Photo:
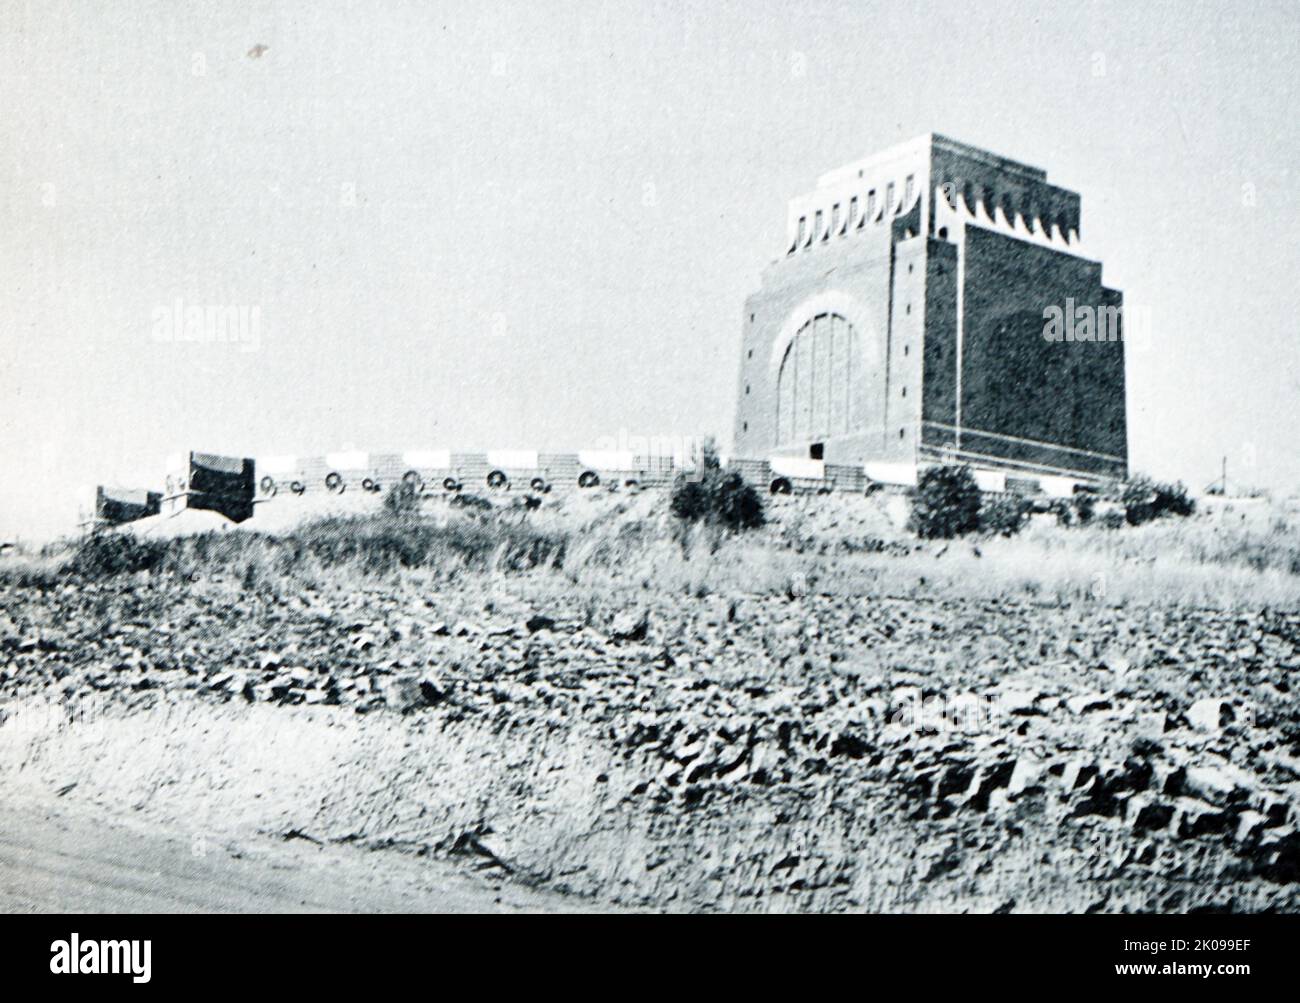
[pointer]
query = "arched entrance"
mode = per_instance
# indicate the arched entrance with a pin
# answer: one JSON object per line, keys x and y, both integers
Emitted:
{"x": 821, "y": 384}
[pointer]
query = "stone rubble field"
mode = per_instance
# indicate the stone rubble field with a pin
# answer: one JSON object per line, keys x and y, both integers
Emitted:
{"x": 797, "y": 751}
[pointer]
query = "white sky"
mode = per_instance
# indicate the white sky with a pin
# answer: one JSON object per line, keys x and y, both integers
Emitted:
{"x": 560, "y": 209}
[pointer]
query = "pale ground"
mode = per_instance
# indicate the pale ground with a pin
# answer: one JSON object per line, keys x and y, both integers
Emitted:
{"x": 72, "y": 856}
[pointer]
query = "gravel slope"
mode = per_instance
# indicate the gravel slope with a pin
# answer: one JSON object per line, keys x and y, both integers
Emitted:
{"x": 670, "y": 752}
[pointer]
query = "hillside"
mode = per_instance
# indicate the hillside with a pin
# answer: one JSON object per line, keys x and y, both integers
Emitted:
{"x": 822, "y": 714}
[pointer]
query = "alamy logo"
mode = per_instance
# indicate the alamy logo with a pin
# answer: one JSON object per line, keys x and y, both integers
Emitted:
{"x": 209, "y": 323}
{"x": 102, "y": 957}
{"x": 1083, "y": 322}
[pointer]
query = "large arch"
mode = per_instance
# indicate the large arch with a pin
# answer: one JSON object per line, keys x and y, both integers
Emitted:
{"x": 821, "y": 361}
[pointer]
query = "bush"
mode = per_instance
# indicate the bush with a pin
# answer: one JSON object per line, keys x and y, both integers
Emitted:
{"x": 103, "y": 555}
{"x": 371, "y": 544}
{"x": 945, "y": 503}
{"x": 1062, "y": 510}
{"x": 715, "y": 496}
{"x": 1112, "y": 519}
{"x": 25, "y": 575}
{"x": 382, "y": 546}
{"x": 690, "y": 500}
{"x": 1144, "y": 500}
{"x": 1173, "y": 499}
{"x": 1005, "y": 516}
{"x": 402, "y": 499}
{"x": 475, "y": 503}
{"x": 736, "y": 503}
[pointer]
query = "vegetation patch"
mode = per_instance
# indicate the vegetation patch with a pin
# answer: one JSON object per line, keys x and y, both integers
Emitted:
{"x": 1004, "y": 516}
{"x": 1145, "y": 500}
{"x": 945, "y": 503}
{"x": 715, "y": 496}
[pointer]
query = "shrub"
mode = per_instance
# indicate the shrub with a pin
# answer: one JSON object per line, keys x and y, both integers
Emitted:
{"x": 1144, "y": 500}
{"x": 736, "y": 503}
{"x": 103, "y": 555}
{"x": 1112, "y": 519}
{"x": 1005, "y": 516}
{"x": 715, "y": 496}
{"x": 1084, "y": 507}
{"x": 475, "y": 503}
{"x": 945, "y": 503}
{"x": 1173, "y": 499}
{"x": 690, "y": 501}
{"x": 1137, "y": 495}
{"x": 29, "y": 575}
{"x": 402, "y": 499}
{"x": 372, "y": 544}
{"x": 381, "y": 546}
{"x": 1062, "y": 510}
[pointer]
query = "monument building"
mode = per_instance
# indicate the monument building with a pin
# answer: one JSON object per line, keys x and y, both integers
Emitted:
{"x": 932, "y": 304}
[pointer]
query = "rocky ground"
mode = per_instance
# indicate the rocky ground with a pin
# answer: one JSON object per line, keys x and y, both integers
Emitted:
{"x": 757, "y": 752}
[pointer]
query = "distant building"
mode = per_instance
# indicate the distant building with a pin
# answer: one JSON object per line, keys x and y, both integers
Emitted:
{"x": 910, "y": 320}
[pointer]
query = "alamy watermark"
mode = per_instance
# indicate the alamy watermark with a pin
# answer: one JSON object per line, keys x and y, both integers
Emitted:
{"x": 209, "y": 323}
{"x": 676, "y": 452}
{"x": 1087, "y": 322}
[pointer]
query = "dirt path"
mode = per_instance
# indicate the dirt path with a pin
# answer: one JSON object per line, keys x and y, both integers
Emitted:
{"x": 58, "y": 856}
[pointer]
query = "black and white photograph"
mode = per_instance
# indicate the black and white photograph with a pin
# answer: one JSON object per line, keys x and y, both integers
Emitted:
{"x": 468, "y": 458}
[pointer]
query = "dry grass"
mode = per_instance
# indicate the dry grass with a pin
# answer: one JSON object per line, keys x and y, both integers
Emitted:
{"x": 1209, "y": 561}
{"x": 841, "y": 546}
{"x": 28, "y": 570}
{"x": 367, "y": 546}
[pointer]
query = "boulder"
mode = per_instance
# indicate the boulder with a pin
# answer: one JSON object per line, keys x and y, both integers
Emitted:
{"x": 1198, "y": 818}
{"x": 1217, "y": 785}
{"x": 1250, "y": 826}
{"x": 1019, "y": 701}
{"x": 1078, "y": 774}
{"x": 1210, "y": 714}
{"x": 1027, "y": 775}
{"x": 631, "y": 625}
{"x": 1084, "y": 703}
{"x": 1144, "y": 812}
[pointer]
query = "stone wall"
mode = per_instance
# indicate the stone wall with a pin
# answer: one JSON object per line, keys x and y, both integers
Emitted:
{"x": 1017, "y": 383}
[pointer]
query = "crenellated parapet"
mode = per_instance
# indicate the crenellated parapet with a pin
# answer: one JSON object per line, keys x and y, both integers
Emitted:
{"x": 859, "y": 197}
{"x": 971, "y": 185}
{"x": 934, "y": 185}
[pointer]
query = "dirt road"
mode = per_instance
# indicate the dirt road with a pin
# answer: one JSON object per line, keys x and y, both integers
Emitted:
{"x": 58, "y": 856}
